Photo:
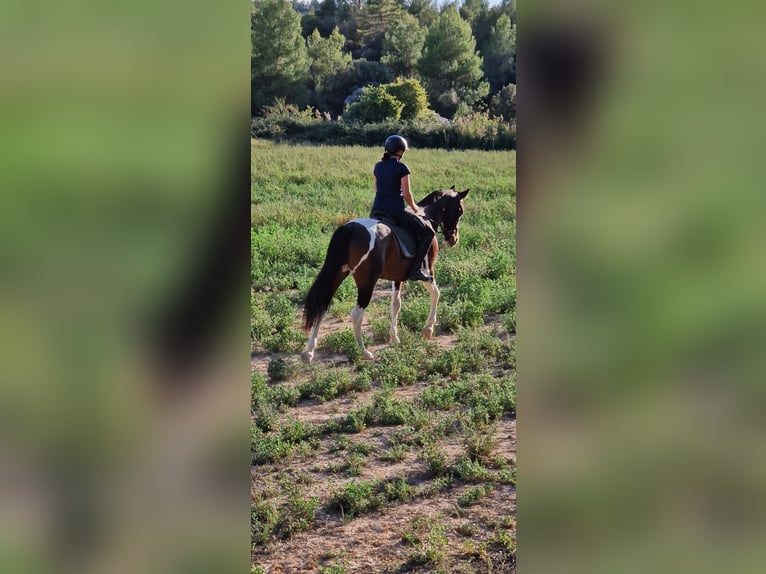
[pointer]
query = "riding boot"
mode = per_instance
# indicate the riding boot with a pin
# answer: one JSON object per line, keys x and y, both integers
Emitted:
{"x": 417, "y": 273}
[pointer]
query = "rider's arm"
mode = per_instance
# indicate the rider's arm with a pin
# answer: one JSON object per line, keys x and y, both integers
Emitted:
{"x": 408, "y": 195}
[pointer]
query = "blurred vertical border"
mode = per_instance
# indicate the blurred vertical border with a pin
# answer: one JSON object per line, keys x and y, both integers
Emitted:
{"x": 642, "y": 287}
{"x": 124, "y": 165}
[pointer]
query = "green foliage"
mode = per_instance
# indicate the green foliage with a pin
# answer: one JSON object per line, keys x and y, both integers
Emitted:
{"x": 432, "y": 548}
{"x": 326, "y": 57}
{"x": 263, "y": 521}
{"x": 281, "y": 369}
{"x": 278, "y": 62}
{"x": 412, "y": 95}
{"x": 403, "y": 45}
{"x": 397, "y": 490}
{"x": 435, "y": 459}
{"x": 473, "y": 495}
{"x": 374, "y": 105}
{"x": 358, "y": 74}
{"x": 499, "y": 53}
{"x": 374, "y": 18}
{"x": 469, "y": 470}
{"x": 503, "y": 103}
{"x": 450, "y": 65}
{"x": 357, "y": 497}
{"x": 297, "y": 515}
{"x": 480, "y": 132}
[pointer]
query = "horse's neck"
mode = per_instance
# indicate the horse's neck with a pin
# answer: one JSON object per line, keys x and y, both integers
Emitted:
{"x": 433, "y": 212}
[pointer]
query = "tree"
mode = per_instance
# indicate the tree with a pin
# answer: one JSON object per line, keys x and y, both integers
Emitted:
{"x": 499, "y": 52}
{"x": 472, "y": 8}
{"x": 503, "y": 103}
{"x": 278, "y": 62}
{"x": 403, "y": 44}
{"x": 425, "y": 11}
{"x": 375, "y": 105}
{"x": 412, "y": 95}
{"x": 374, "y": 18}
{"x": 326, "y": 57}
{"x": 450, "y": 65}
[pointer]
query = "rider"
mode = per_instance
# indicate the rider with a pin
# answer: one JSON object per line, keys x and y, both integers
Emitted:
{"x": 392, "y": 190}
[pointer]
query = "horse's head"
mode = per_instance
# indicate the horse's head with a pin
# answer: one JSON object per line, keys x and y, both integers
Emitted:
{"x": 444, "y": 208}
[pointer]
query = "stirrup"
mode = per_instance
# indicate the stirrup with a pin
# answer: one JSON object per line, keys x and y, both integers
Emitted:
{"x": 418, "y": 275}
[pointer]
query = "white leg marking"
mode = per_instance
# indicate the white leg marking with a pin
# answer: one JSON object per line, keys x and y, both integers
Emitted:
{"x": 433, "y": 290}
{"x": 308, "y": 354}
{"x": 396, "y": 303}
{"x": 357, "y": 316}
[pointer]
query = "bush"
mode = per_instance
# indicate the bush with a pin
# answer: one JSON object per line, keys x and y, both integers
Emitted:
{"x": 468, "y": 132}
{"x": 503, "y": 103}
{"x": 374, "y": 105}
{"x": 412, "y": 94}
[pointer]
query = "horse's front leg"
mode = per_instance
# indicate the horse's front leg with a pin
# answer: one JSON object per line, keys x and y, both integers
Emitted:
{"x": 396, "y": 303}
{"x": 433, "y": 290}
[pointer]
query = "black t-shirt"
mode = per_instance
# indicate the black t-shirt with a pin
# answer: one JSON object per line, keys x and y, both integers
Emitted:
{"x": 389, "y": 174}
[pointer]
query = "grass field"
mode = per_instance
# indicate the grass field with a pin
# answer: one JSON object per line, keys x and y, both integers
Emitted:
{"x": 405, "y": 463}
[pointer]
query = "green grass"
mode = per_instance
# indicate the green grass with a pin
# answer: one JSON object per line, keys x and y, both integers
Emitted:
{"x": 295, "y": 206}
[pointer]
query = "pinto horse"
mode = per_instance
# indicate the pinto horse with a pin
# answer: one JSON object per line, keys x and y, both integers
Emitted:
{"x": 368, "y": 250}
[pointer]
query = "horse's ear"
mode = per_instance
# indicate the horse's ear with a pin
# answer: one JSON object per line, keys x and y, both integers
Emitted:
{"x": 452, "y": 188}
{"x": 462, "y": 194}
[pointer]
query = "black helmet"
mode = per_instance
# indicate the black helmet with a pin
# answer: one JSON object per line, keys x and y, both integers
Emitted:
{"x": 395, "y": 144}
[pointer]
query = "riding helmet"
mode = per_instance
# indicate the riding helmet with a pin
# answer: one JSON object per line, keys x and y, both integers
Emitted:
{"x": 395, "y": 144}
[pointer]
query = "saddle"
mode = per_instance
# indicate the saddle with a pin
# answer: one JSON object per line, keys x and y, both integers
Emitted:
{"x": 404, "y": 237}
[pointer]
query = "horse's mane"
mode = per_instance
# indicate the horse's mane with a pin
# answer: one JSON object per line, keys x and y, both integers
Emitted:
{"x": 434, "y": 196}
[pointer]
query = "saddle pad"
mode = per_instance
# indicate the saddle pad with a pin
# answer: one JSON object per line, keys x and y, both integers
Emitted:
{"x": 403, "y": 235}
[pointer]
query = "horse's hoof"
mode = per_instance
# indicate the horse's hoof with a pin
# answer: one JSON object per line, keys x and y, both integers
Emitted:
{"x": 427, "y": 332}
{"x": 395, "y": 340}
{"x": 307, "y": 357}
{"x": 367, "y": 356}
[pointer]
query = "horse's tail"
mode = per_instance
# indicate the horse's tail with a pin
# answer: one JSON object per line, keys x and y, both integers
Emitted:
{"x": 329, "y": 279}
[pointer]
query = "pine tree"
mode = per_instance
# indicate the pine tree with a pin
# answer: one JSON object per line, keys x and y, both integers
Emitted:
{"x": 499, "y": 53}
{"x": 403, "y": 45}
{"x": 326, "y": 57}
{"x": 450, "y": 65}
{"x": 278, "y": 61}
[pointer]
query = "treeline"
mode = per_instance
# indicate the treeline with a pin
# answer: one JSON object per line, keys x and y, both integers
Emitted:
{"x": 340, "y": 70}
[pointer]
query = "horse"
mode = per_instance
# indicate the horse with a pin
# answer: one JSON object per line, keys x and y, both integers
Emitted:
{"x": 367, "y": 250}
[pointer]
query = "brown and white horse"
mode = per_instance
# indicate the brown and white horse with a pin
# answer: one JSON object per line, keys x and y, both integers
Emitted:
{"x": 368, "y": 250}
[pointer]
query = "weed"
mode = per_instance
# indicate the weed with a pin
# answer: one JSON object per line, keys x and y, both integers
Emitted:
{"x": 282, "y": 396}
{"x": 467, "y": 529}
{"x": 479, "y": 446}
{"x": 433, "y": 549}
{"x": 341, "y": 442}
{"x": 435, "y": 459}
{"x": 473, "y": 495}
{"x": 394, "y": 453}
{"x": 280, "y": 369}
{"x": 503, "y": 539}
{"x": 470, "y": 470}
{"x": 263, "y": 521}
{"x": 356, "y": 498}
{"x": 398, "y": 490}
{"x": 297, "y": 515}
{"x": 354, "y": 464}
{"x": 507, "y": 476}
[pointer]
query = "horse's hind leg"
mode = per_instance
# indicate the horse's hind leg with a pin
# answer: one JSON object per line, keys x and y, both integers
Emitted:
{"x": 396, "y": 303}
{"x": 433, "y": 290}
{"x": 308, "y": 355}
